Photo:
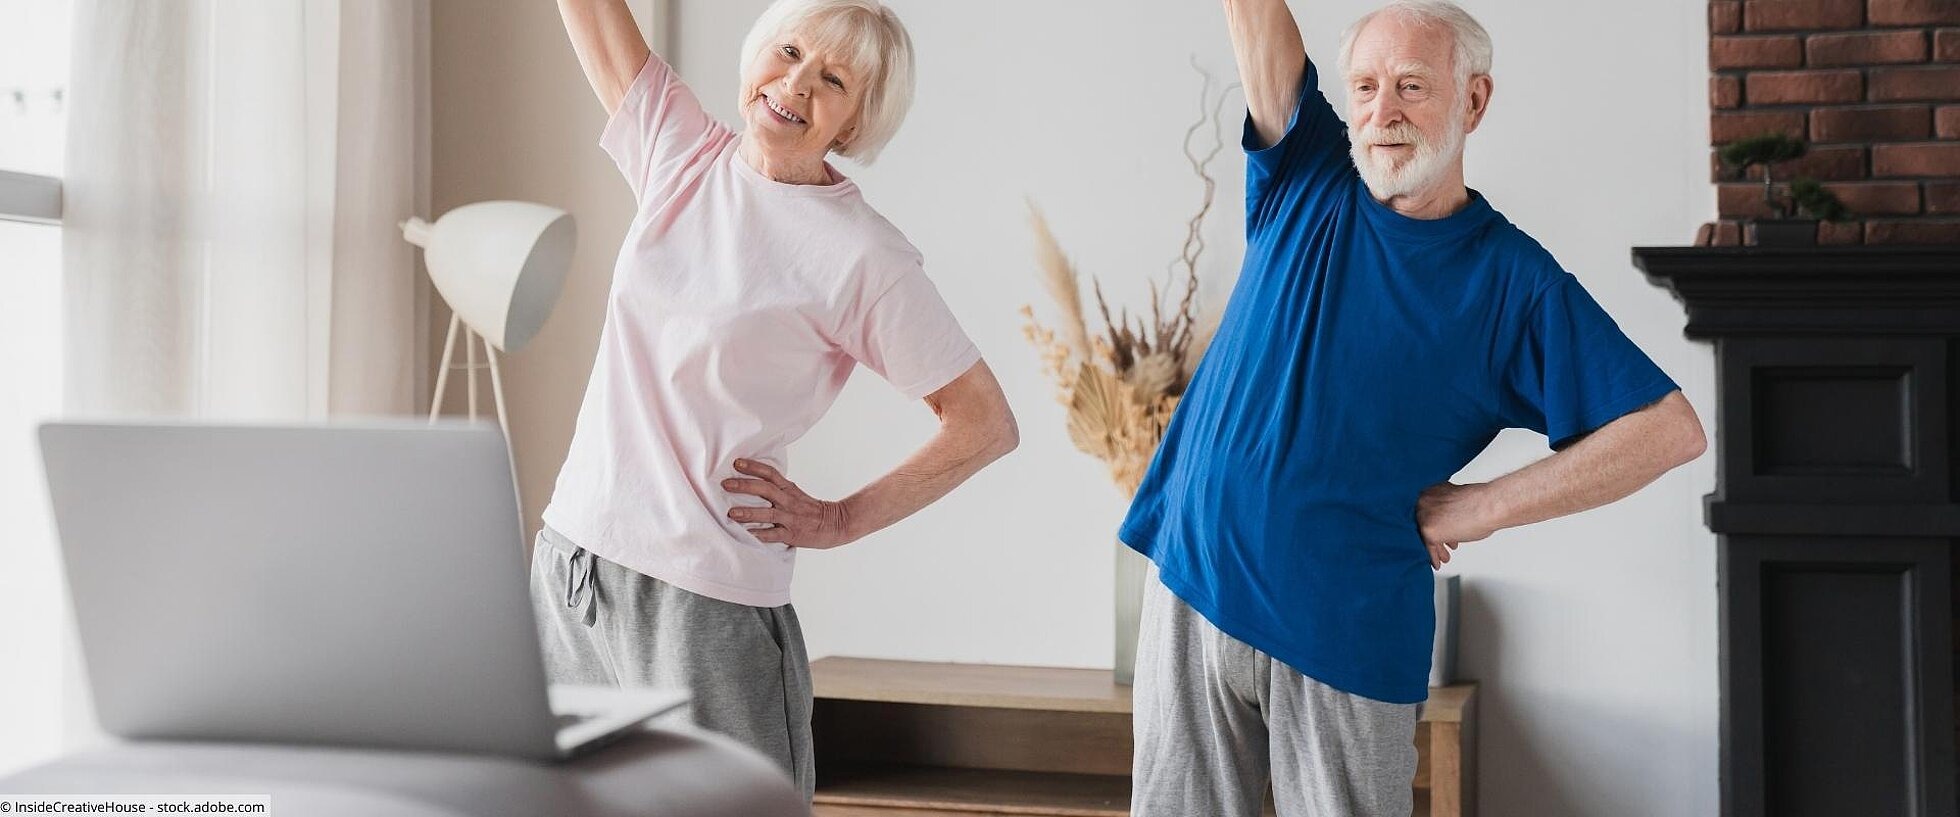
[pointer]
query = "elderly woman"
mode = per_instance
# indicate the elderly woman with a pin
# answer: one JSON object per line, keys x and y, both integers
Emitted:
{"x": 753, "y": 279}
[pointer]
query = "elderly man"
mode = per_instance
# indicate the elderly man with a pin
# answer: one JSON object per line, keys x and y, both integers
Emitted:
{"x": 1388, "y": 323}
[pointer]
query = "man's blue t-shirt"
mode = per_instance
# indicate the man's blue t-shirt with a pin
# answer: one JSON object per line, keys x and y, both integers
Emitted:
{"x": 1364, "y": 356}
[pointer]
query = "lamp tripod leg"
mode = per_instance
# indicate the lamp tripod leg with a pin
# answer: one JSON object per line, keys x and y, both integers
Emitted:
{"x": 469, "y": 351}
{"x": 497, "y": 389}
{"x": 503, "y": 421}
{"x": 442, "y": 372}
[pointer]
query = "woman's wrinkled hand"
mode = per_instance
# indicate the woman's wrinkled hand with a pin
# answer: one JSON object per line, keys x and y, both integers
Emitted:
{"x": 793, "y": 517}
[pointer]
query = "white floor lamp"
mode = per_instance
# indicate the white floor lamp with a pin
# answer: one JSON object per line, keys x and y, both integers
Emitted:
{"x": 500, "y": 266}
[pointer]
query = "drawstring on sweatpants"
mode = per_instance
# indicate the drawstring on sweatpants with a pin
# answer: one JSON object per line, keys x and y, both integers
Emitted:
{"x": 578, "y": 587}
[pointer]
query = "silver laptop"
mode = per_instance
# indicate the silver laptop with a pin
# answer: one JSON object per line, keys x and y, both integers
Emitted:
{"x": 353, "y": 585}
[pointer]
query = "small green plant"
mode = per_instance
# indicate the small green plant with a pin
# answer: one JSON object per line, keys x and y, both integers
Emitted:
{"x": 1806, "y": 196}
{"x": 1811, "y": 199}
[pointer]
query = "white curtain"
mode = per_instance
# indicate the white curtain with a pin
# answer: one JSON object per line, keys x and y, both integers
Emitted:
{"x": 235, "y": 173}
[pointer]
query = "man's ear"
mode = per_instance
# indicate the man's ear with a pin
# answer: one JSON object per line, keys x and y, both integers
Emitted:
{"x": 1480, "y": 91}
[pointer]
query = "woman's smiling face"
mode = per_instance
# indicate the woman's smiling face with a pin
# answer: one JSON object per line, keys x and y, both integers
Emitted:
{"x": 800, "y": 98}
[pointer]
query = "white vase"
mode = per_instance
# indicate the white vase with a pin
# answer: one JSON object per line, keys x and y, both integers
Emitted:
{"x": 1132, "y": 570}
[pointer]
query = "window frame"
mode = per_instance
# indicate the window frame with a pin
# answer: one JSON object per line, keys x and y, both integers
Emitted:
{"x": 30, "y": 198}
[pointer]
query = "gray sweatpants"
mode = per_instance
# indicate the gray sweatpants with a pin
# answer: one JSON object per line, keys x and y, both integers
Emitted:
{"x": 746, "y": 667}
{"x": 1216, "y": 720}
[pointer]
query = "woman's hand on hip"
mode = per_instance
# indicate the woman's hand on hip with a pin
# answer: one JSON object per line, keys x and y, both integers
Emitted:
{"x": 794, "y": 517}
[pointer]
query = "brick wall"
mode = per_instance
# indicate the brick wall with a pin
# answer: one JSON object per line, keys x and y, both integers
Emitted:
{"x": 1873, "y": 85}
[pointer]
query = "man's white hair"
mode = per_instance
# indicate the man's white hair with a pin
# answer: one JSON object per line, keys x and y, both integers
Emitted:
{"x": 1472, "y": 51}
{"x": 875, "y": 45}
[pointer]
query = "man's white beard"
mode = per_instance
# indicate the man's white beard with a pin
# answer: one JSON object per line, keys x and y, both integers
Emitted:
{"x": 1430, "y": 162}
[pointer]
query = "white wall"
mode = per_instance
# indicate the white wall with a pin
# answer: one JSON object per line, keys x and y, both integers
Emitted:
{"x": 33, "y": 604}
{"x": 1594, "y": 636}
{"x": 34, "y": 48}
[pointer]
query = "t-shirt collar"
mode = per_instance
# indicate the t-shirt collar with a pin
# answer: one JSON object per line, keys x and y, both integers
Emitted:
{"x": 842, "y": 185}
{"x": 1472, "y": 215}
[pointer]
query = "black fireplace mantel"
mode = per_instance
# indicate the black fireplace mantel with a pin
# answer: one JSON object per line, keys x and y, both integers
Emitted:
{"x": 1752, "y": 290}
{"x": 1836, "y": 516}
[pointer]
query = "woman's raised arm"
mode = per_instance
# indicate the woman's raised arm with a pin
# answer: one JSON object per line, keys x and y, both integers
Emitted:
{"x": 609, "y": 46}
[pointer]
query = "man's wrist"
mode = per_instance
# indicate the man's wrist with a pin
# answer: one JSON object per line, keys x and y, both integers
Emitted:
{"x": 1493, "y": 506}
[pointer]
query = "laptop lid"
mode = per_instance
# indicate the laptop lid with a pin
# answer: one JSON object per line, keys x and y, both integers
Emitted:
{"x": 356, "y": 585}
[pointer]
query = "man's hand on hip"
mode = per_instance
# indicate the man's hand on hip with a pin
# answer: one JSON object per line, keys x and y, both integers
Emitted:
{"x": 1448, "y": 515}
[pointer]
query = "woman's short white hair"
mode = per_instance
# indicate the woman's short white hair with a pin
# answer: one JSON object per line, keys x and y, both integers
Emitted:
{"x": 876, "y": 46}
{"x": 1472, "y": 52}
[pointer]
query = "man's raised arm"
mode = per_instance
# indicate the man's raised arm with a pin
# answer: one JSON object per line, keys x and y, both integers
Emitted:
{"x": 1272, "y": 62}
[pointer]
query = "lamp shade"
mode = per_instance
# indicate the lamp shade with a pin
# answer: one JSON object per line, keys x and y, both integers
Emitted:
{"x": 499, "y": 264}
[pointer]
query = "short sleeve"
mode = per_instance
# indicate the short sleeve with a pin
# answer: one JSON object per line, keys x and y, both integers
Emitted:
{"x": 908, "y": 335}
{"x": 1314, "y": 148}
{"x": 659, "y": 130}
{"x": 1574, "y": 370}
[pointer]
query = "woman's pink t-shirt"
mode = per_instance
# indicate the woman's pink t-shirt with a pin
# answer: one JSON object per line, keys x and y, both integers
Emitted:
{"x": 739, "y": 306}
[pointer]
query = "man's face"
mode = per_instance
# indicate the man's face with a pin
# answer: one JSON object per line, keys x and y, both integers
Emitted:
{"x": 1406, "y": 117}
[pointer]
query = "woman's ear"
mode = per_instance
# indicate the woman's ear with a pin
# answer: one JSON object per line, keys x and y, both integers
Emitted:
{"x": 850, "y": 131}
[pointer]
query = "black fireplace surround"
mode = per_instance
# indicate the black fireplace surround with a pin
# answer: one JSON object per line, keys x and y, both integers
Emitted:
{"x": 1836, "y": 517}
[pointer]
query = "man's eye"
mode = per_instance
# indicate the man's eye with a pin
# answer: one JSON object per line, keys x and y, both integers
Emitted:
{"x": 1364, "y": 88}
{"x": 789, "y": 51}
{"x": 1411, "y": 87}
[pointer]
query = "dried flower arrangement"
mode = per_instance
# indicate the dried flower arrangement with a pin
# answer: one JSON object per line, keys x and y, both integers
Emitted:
{"x": 1121, "y": 385}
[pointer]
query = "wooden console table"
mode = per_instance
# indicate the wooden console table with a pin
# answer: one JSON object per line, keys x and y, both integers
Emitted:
{"x": 911, "y": 739}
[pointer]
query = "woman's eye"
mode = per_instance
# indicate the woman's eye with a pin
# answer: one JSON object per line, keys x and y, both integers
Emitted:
{"x": 789, "y": 51}
{"x": 835, "y": 83}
